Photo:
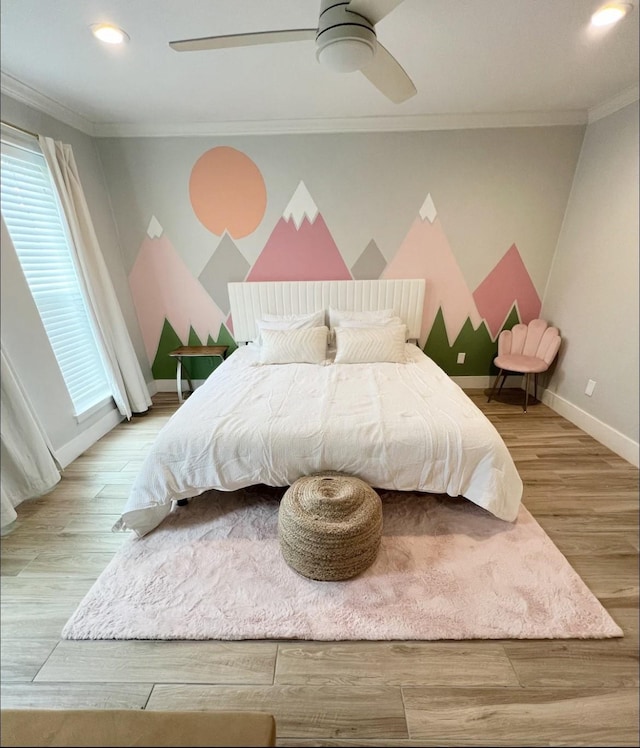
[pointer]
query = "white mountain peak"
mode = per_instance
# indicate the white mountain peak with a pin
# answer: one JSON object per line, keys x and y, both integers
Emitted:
{"x": 154, "y": 229}
{"x": 428, "y": 209}
{"x": 301, "y": 205}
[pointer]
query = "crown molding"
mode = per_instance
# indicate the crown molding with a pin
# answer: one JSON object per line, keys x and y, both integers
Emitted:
{"x": 406, "y": 123}
{"x": 623, "y": 99}
{"x": 25, "y": 94}
{"x": 343, "y": 125}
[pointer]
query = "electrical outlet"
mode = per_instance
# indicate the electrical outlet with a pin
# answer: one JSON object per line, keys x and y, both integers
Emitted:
{"x": 461, "y": 358}
{"x": 591, "y": 385}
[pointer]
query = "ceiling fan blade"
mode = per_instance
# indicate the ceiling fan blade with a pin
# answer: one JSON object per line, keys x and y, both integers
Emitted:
{"x": 243, "y": 40}
{"x": 388, "y": 76}
{"x": 374, "y": 10}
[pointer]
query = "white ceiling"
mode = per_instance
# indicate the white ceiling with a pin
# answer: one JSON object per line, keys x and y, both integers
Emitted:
{"x": 474, "y": 63}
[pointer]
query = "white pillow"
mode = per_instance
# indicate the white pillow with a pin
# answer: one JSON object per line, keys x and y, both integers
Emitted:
{"x": 357, "y": 322}
{"x": 289, "y": 321}
{"x": 383, "y": 322}
{"x": 368, "y": 345}
{"x": 336, "y": 316}
{"x": 307, "y": 345}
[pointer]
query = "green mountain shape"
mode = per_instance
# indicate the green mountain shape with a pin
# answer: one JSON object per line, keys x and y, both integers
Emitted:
{"x": 201, "y": 368}
{"x": 224, "y": 338}
{"x": 476, "y": 344}
{"x": 164, "y": 366}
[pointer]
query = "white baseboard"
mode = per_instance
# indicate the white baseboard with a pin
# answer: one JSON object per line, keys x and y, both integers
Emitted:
{"x": 169, "y": 385}
{"x": 471, "y": 383}
{"x": 79, "y": 444}
{"x": 617, "y": 442}
{"x": 152, "y": 387}
{"x": 483, "y": 382}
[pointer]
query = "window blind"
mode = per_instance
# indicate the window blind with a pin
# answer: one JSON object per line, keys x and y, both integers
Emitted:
{"x": 32, "y": 215}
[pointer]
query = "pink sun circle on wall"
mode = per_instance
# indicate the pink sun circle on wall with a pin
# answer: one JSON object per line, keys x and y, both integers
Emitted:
{"x": 227, "y": 192}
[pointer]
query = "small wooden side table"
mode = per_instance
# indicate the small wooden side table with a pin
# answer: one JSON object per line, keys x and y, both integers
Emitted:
{"x": 194, "y": 351}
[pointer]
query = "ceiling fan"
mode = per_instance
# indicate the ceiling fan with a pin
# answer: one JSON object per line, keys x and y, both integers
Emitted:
{"x": 345, "y": 41}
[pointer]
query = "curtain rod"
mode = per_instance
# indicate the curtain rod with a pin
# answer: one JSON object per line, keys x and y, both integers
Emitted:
{"x": 19, "y": 129}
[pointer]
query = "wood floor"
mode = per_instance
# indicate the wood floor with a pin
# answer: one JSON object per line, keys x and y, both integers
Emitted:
{"x": 531, "y": 693}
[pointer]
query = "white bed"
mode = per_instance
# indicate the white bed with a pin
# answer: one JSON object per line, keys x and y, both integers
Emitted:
{"x": 403, "y": 426}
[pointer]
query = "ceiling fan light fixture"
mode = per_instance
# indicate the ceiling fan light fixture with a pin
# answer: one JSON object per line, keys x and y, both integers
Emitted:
{"x": 109, "y": 33}
{"x": 345, "y": 55}
{"x": 610, "y": 13}
{"x": 346, "y": 42}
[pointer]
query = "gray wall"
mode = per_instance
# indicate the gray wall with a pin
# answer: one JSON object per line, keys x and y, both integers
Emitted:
{"x": 22, "y": 330}
{"x": 592, "y": 293}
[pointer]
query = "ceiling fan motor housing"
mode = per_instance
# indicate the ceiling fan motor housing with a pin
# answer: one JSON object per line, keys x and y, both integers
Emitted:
{"x": 346, "y": 41}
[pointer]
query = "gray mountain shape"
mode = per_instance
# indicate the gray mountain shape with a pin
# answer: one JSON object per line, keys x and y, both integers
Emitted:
{"x": 370, "y": 264}
{"x": 225, "y": 265}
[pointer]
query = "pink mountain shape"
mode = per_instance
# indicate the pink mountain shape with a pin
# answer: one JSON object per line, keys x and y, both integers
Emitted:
{"x": 425, "y": 253}
{"x": 508, "y": 283}
{"x": 305, "y": 253}
{"x": 163, "y": 286}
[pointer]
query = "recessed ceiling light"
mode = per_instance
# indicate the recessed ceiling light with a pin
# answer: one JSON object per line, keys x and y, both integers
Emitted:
{"x": 109, "y": 34}
{"x": 610, "y": 13}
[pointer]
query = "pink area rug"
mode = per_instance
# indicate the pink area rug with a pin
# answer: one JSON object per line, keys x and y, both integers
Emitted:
{"x": 446, "y": 570}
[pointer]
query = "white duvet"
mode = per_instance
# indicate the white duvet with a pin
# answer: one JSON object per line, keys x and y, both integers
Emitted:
{"x": 396, "y": 426}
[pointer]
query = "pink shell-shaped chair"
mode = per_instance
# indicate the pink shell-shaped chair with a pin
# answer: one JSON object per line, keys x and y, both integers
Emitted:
{"x": 526, "y": 349}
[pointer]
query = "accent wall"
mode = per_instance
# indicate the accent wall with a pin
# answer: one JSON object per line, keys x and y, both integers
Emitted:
{"x": 477, "y": 213}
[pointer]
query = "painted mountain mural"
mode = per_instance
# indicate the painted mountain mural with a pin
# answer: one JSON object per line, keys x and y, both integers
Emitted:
{"x": 507, "y": 284}
{"x": 164, "y": 365}
{"x": 425, "y": 253}
{"x": 477, "y": 345}
{"x": 300, "y": 246}
{"x": 163, "y": 288}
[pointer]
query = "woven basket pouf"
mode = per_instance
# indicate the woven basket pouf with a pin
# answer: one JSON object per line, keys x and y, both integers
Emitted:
{"x": 329, "y": 526}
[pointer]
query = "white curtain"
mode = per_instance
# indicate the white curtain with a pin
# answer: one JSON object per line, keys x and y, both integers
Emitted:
{"x": 128, "y": 386}
{"x": 28, "y": 465}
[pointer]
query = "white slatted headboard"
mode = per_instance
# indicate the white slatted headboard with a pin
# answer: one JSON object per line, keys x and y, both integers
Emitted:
{"x": 249, "y": 301}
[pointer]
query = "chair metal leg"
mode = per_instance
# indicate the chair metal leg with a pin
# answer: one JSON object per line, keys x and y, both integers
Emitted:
{"x": 535, "y": 386}
{"x": 526, "y": 391}
{"x": 504, "y": 379}
{"x": 495, "y": 381}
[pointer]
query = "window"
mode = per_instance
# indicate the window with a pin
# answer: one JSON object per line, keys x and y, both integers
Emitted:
{"x": 37, "y": 228}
